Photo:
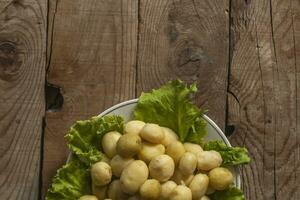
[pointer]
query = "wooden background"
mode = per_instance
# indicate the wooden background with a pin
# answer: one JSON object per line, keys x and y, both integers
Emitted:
{"x": 65, "y": 60}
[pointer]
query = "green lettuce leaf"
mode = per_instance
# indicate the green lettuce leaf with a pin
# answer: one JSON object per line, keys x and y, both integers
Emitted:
{"x": 84, "y": 137}
{"x": 71, "y": 181}
{"x": 170, "y": 106}
{"x": 231, "y": 193}
{"x": 231, "y": 155}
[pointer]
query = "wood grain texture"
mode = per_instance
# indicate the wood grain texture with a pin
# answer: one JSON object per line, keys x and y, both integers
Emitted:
{"x": 263, "y": 96}
{"x": 185, "y": 39}
{"x": 93, "y": 61}
{"x": 295, "y": 11}
{"x": 22, "y": 107}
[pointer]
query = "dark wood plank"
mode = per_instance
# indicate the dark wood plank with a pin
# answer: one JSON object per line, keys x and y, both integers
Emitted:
{"x": 263, "y": 96}
{"x": 185, "y": 39}
{"x": 22, "y": 108}
{"x": 93, "y": 60}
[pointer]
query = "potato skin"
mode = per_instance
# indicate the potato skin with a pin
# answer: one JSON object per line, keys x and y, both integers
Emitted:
{"x": 175, "y": 150}
{"x": 118, "y": 164}
{"x": 181, "y": 192}
{"x": 166, "y": 189}
{"x": 220, "y": 178}
{"x": 152, "y": 133}
{"x": 99, "y": 191}
{"x": 134, "y": 126}
{"x": 150, "y": 150}
{"x": 133, "y": 176}
{"x": 187, "y": 163}
{"x": 88, "y": 197}
{"x": 115, "y": 192}
{"x": 169, "y": 136}
{"x": 193, "y": 148}
{"x": 161, "y": 167}
{"x": 178, "y": 177}
{"x": 109, "y": 143}
{"x": 150, "y": 189}
{"x": 129, "y": 145}
{"x": 208, "y": 160}
{"x": 101, "y": 173}
{"x": 199, "y": 185}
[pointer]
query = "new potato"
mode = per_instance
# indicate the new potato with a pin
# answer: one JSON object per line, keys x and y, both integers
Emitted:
{"x": 169, "y": 136}
{"x": 129, "y": 145}
{"x": 99, "y": 191}
{"x": 175, "y": 150}
{"x": 181, "y": 192}
{"x": 134, "y": 126}
{"x": 208, "y": 160}
{"x": 152, "y": 133}
{"x": 133, "y": 176}
{"x": 150, "y": 150}
{"x": 88, "y": 197}
{"x": 101, "y": 173}
{"x": 167, "y": 188}
{"x": 115, "y": 192}
{"x": 109, "y": 143}
{"x": 118, "y": 164}
{"x": 220, "y": 178}
{"x": 193, "y": 148}
{"x": 187, "y": 163}
{"x": 161, "y": 167}
{"x": 150, "y": 189}
{"x": 199, "y": 185}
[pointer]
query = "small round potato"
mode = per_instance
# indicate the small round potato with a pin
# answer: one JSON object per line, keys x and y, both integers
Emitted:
{"x": 152, "y": 133}
{"x": 170, "y": 136}
{"x": 129, "y": 145}
{"x": 88, "y": 197}
{"x": 181, "y": 192}
{"x": 193, "y": 148}
{"x": 105, "y": 159}
{"x": 187, "y": 163}
{"x": 118, "y": 163}
{"x": 208, "y": 160}
{"x": 204, "y": 198}
{"x": 220, "y": 178}
{"x": 115, "y": 192}
{"x": 134, "y": 126}
{"x": 150, "y": 189}
{"x": 180, "y": 178}
{"x": 109, "y": 143}
{"x": 133, "y": 176}
{"x": 150, "y": 151}
{"x": 199, "y": 185}
{"x": 161, "y": 167}
{"x": 210, "y": 190}
{"x": 99, "y": 191}
{"x": 167, "y": 188}
{"x": 135, "y": 197}
{"x": 101, "y": 173}
{"x": 175, "y": 150}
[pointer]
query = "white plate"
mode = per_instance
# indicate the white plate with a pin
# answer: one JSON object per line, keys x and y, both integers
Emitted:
{"x": 125, "y": 109}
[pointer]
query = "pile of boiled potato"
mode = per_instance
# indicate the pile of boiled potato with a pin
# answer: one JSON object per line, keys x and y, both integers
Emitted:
{"x": 148, "y": 162}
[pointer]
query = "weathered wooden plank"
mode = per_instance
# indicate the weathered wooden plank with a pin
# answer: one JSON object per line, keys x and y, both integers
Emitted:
{"x": 262, "y": 96}
{"x": 188, "y": 40}
{"x": 22, "y": 76}
{"x": 93, "y": 60}
{"x": 295, "y": 7}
